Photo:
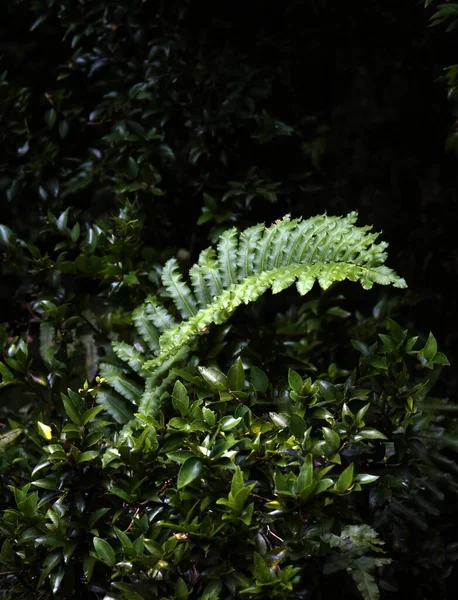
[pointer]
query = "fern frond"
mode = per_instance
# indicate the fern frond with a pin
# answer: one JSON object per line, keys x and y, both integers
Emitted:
{"x": 248, "y": 245}
{"x": 209, "y": 267}
{"x": 121, "y": 382}
{"x": 115, "y": 405}
{"x": 159, "y": 316}
{"x": 178, "y": 291}
{"x": 133, "y": 357}
{"x": 199, "y": 285}
{"x": 145, "y": 328}
{"x": 227, "y": 257}
{"x": 324, "y": 249}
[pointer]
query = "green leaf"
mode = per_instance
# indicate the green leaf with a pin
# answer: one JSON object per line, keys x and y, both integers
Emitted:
{"x": 261, "y": 571}
{"x": 331, "y": 438}
{"x": 236, "y": 376}
{"x": 90, "y": 414}
{"x": 50, "y": 562}
{"x": 51, "y": 117}
{"x": 88, "y": 566}
{"x": 63, "y": 128}
{"x": 104, "y": 551}
{"x": 209, "y": 416}
{"x": 8, "y": 438}
{"x": 180, "y": 398}
{"x": 369, "y": 433}
{"x": 345, "y": 479}
{"x": 362, "y": 348}
{"x": 181, "y": 589}
{"x": 395, "y": 331}
{"x": 72, "y": 411}
{"x": 190, "y": 470}
{"x": 328, "y": 391}
{"x": 259, "y": 379}
{"x": 428, "y": 353}
{"x": 214, "y": 378}
{"x": 441, "y": 359}
{"x": 44, "y": 430}
{"x": 212, "y": 591}
{"x": 295, "y": 381}
{"x": 365, "y": 478}
{"x": 228, "y": 423}
{"x": 379, "y": 362}
{"x": 238, "y": 482}
{"x": 322, "y": 486}
{"x": 297, "y": 426}
{"x": 88, "y": 456}
{"x": 347, "y": 416}
{"x": 305, "y": 477}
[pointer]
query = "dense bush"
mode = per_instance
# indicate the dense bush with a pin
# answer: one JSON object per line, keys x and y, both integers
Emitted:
{"x": 245, "y": 482}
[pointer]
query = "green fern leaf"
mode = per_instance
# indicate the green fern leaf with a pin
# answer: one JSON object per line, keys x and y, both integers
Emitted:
{"x": 151, "y": 399}
{"x": 115, "y": 405}
{"x": 133, "y": 357}
{"x": 209, "y": 267}
{"x": 248, "y": 244}
{"x": 245, "y": 265}
{"x": 227, "y": 257}
{"x": 160, "y": 317}
{"x": 178, "y": 291}
{"x": 145, "y": 328}
{"x": 324, "y": 249}
{"x": 121, "y": 382}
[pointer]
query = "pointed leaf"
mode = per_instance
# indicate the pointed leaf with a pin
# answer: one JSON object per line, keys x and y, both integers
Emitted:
{"x": 104, "y": 551}
{"x": 190, "y": 470}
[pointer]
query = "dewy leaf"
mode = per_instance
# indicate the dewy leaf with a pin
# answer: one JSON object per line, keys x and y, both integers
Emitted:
{"x": 189, "y": 471}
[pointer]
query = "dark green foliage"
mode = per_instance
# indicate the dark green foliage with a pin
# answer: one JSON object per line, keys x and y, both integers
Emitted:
{"x": 154, "y": 440}
{"x": 243, "y": 483}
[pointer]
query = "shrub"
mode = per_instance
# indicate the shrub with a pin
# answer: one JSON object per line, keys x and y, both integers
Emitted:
{"x": 256, "y": 472}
